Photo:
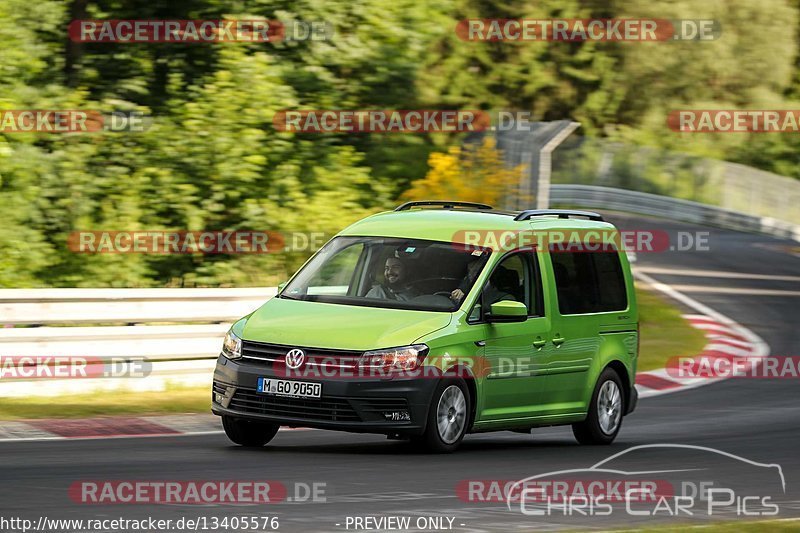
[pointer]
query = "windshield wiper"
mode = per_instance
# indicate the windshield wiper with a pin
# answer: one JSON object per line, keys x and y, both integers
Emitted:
{"x": 288, "y": 297}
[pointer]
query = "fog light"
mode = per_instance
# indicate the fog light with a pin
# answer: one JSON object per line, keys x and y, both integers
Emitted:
{"x": 223, "y": 398}
{"x": 397, "y": 416}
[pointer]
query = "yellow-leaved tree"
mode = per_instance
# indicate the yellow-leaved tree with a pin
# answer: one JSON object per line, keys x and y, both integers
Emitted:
{"x": 470, "y": 174}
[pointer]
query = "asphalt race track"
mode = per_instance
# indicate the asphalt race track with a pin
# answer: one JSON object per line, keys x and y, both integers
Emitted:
{"x": 756, "y": 419}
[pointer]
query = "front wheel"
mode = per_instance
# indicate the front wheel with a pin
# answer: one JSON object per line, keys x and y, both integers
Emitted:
{"x": 605, "y": 411}
{"x": 447, "y": 417}
{"x": 248, "y": 432}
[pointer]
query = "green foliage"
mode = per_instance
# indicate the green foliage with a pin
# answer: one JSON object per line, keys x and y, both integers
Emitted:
{"x": 211, "y": 158}
{"x": 472, "y": 175}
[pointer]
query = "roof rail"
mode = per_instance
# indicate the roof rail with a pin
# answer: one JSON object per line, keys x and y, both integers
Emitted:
{"x": 443, "y": 204}
{"x": 560, "y": 213}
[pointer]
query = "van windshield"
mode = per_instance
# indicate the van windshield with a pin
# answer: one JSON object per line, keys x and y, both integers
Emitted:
{"x": 389, "y": 272}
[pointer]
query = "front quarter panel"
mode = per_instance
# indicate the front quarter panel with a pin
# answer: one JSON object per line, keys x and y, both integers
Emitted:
{"x": 457, "y": 350}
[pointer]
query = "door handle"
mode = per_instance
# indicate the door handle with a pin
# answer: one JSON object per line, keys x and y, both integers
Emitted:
{"x": 539, "y": 343}
{"x": 558, "y": 341}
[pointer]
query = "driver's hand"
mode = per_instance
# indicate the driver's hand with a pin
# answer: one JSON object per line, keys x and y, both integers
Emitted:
{"x": 456, "y": 295}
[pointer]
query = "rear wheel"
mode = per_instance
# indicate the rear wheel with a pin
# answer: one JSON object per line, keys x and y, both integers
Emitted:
{"x": 447, "y": 417}
{"x": 249, "y": 432}
{"x": 605, "y": 411}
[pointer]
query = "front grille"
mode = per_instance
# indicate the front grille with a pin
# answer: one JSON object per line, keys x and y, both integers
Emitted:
{"x": 272, "y": 355}
{"x": 329, "y": 409}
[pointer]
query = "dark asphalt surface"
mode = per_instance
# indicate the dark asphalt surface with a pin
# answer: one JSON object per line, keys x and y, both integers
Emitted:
{"x": 370, "y": 476}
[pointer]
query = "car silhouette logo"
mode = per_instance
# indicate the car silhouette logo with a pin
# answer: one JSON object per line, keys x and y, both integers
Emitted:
{"x": 517, "y": 490}
{"x": 295, "y": 358}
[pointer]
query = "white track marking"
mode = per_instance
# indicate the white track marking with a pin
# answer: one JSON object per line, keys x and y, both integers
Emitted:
{"x": 706, "y": 319}
{"x": 715, "y": 274}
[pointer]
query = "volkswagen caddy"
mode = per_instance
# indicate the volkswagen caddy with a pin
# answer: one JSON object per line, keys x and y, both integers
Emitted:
{"x": 440, "y": 319}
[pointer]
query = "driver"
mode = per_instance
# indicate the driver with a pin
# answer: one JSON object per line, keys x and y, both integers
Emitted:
{"x": 395, "y": 286}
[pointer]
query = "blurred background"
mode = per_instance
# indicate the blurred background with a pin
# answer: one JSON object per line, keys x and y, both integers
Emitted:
{"x": 211, "y": 158}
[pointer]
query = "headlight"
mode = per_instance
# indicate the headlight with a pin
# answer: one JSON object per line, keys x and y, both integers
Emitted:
{"x": 404, "y": 358}
{"x": 232, "y": 346}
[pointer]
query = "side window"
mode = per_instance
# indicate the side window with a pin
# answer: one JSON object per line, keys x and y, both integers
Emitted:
{"x": 589, "y": 282}
{"x": 516, "y": 278}
{"x": 509, "y": 281}
{"x": 611, "y": 293}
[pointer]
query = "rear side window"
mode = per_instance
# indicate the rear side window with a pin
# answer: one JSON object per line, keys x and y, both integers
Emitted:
{"x": 589, "y": 282}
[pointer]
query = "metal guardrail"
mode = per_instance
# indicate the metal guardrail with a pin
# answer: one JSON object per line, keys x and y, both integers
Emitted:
{"x": 126, "y": 306}
{"x": 178, "y": 332}
{"x": 174, "y": 342}
{"x": 591, "y": 196}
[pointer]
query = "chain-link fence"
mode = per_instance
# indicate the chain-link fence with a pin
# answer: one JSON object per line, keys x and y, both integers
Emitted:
{"x": 720, "y": 183}
{"x": 548, "y": 154}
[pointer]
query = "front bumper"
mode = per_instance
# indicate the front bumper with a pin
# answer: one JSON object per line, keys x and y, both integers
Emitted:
{"x": 358, "y": 405}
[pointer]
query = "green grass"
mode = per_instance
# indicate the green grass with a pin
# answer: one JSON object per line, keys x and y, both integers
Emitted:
{"x": 171, "y": 401}
{"x": 664, "y": 332}
{"x": 740, "y": 526}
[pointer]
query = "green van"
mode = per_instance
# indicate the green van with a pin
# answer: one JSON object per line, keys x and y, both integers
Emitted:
{"x": 440, "y": 319}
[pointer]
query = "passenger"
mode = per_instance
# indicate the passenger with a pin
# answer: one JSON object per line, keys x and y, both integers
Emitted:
{"x": 496, "y": 289}
{"x": 395, "y": 286}
{"x": 473, "y": 268}
{"x": 499, "y": 286}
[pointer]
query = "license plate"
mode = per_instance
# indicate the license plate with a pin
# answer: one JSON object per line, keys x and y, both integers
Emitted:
{"x": 287, "y": 387}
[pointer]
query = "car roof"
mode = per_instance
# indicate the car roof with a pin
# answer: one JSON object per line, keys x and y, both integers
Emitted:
{"x": 451, "y": 225}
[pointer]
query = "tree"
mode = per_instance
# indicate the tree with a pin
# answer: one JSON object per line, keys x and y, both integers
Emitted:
{"x": 467, "y": 174}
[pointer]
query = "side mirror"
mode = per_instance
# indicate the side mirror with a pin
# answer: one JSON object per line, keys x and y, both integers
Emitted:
{"x": 508, "y": 311}
{"x": 281, "y": 285}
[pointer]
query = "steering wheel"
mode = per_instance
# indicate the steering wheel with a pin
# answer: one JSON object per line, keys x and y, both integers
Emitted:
{"x": 442, "y": 293}
{"x": 437, "y": 300}
{"x": 428, "y": 280}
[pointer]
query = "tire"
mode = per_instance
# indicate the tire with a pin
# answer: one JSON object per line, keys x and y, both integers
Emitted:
{"x": 448, "y": 416}
{"x": 604, "y": 419}
{"x": 248, "y": 432}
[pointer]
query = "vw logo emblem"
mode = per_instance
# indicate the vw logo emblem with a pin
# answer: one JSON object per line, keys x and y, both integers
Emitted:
{"x": 295, "y": 358}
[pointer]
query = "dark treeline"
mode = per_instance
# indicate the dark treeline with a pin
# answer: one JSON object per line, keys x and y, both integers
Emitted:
{"x": 212, "y": 159}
